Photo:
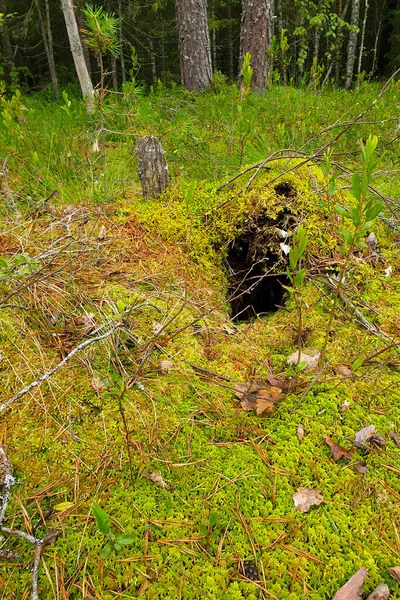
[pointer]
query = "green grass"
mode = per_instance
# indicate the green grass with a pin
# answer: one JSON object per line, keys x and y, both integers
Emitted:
{"x": 235, "y": 474}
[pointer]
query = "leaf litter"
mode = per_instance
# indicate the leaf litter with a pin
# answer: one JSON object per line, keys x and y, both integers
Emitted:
{"x": 305, "y": 498}
{"x": 337, "y": 451}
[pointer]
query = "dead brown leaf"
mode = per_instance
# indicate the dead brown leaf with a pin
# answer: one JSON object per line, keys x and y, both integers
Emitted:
{"x": 381, "y": 592}
{"x": 345, "y": 371}
{"x": 258, "y": 396}
{"x": 300, "y": 433}
{"x": 337, "y": 451}
{"x": 367, "y": 435}
{"x": 98, "y": 385}
{"x": 395, "y": 573}
{"x": 85, "y": 323}
{"x": 395, "y": 438}
{"x": 304, "y": 498}
{"x": 158, "y": 480}
{"x": 361, "y": 467}
{"x": 166, "y": 366}
{"x": 352, "y": 589}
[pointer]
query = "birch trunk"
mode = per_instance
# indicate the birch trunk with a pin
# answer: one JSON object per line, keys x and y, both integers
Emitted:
{"x": 352, "y": 45}
{"x": 194, "y": 44}
{"x": 77, "y": 53}
{"x": 255, "y": 38}
{"x": 81, "y": 25}
{"x": 363, "y": 36}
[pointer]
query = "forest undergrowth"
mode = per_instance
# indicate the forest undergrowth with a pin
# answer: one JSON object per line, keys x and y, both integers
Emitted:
{"x": 187, "y": 428}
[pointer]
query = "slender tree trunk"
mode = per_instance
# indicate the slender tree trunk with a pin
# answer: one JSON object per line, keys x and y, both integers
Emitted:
{"x": 114, "y": 73}
{"x": 81, "y": 25}
{"x": 363, "y": 36}
{"x": 254, "y": 38}
{"x": 77, "y": 52}
{"x": 194, "y": 44}
{"x": 153, "y": 62}
{"x": 5, "y": 36}
{"x": 48, "y": 44}
{"x": 352, "y": 45}
{"x": 213, "y": 38}
{"x": 230, "y": 39}
{"x": 121, "y": 42}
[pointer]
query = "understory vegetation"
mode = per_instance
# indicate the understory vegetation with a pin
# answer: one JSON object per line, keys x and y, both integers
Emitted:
{"x": 151, "y": 422}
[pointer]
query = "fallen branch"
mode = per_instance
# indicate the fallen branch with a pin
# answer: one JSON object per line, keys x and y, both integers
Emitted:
{"x": 65, "y": 360}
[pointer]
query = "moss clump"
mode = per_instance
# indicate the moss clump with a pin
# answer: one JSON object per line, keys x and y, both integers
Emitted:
{"x": 234, "y": 474}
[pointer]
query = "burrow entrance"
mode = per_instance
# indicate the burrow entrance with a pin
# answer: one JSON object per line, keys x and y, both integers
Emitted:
{"x": 256, "y": 264}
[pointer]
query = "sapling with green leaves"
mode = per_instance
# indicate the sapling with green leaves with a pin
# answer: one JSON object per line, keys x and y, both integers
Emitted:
{"x": 101, "y": 36}
{"x": 296, "y": 275}
{"x": 115, "y": 542}
{"x": 357, "y": 221}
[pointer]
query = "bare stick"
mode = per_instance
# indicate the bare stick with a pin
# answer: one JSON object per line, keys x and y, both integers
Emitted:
{"x": 65, "y": 360}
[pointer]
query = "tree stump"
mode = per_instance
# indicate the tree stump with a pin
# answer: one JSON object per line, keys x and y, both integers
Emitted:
{"x": 152, "y": 167}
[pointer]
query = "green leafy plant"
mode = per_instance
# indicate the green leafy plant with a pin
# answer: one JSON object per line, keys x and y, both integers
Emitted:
{"x": 18, "y": 266}
{"x": 115, "y": 542}
{"x": 357, "y": 220}
{"x": 296, "y": 275}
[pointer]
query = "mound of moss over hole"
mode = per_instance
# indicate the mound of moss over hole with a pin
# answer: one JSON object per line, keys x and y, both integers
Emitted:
{"x": 227, "y": 509}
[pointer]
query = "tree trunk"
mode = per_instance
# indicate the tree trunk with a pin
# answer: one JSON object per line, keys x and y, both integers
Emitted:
{"x": 230, "y": 39}
{"x": 81, "y": 25}
{"x": 255, "y": 38}
{"x": 213, "y": 38}
{"x": 114, "y": 73}
{"x": 77, "y": 52}
{"x": 352, "y": 45}
{"x": 152, "y": 167}
{"x": 5, "y": 36}
{"x": 194, "y": 44}
{"x": 363, "y": 36}
{"x": 121, "y": 42}
{"x": 48, "y": 44}
{"x": 152, "y": 61}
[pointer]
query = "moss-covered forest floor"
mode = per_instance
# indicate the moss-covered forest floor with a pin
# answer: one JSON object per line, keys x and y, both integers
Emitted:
{"x": 157, "y": 396}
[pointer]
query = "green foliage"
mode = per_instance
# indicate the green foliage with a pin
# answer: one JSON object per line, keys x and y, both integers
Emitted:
{"x": 18, "y": 266}
{"x": 102, "y": 31}
{"x": 115, "y": 542}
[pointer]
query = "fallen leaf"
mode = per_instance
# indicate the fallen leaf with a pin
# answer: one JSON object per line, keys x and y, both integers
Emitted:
{"x": 388, "y": 272}
{"x": 381, "y": 592}
{"x": 309, "y": 356}
{"x": 98, "y": 385}
{"x": 86, "y": 323}
{"x": 361, "y": 467}
{"x": 166, "y": 366}
{"x": 345, "y": 406}
{"x": 395, "y": 438}
{"x": 276, "y": 382}
{"x": 51, "y": 537}
{"x": 102, "y": 233}
{"x": 304, "y": 498}
{"x": 62, "y": 506}
{"x": 158, "y": 480}
{"x": 257, "y": 396}
{"x": 229, "y": 330}
{"x": 395, "y": 573}
{"x": 55, "y": 317}
{"x": 337, "y": 451}
{"x": 352, "y": 589}
{"x": 372, "y": 242}
{"x": 345, "y": 371}
{"x": 367, "y": 435}
{"x": 300, "y": 433}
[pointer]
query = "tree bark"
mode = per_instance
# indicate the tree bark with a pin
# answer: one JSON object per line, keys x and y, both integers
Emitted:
{"x": 194, "y": 44}
{"x": 77, "y": 52}
{"x": 230, "y": 39}
{"x": 352, "y": 45}
{"x": 255, "y": 38}
{"x": 48, "y": 44}
{"x": 152, "y": 167}
{"x": 363, "y": 36}
{"x": 80, "y": 21}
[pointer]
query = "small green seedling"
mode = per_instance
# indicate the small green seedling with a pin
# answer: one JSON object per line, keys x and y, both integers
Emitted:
{"x": 115, "y": 542}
